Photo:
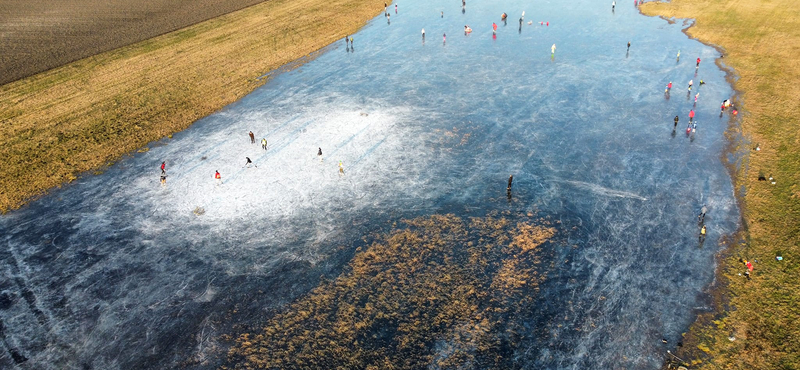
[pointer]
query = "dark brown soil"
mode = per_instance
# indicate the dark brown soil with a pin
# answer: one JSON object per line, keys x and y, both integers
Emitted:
{"x": 37, "y": 35}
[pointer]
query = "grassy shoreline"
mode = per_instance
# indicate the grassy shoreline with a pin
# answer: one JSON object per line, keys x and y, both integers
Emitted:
{"x": 755, "y": 323}
{"x": 86, "y": 114}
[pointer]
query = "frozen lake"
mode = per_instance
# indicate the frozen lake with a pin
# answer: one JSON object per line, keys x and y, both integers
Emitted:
{"x": 117, "y": 272}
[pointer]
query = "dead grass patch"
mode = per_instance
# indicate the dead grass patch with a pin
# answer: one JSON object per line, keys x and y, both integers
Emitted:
{"x": 443, "y": 292}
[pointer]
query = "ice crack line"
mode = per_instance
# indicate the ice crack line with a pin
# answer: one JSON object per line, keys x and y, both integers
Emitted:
{"x": 597, "y": 189}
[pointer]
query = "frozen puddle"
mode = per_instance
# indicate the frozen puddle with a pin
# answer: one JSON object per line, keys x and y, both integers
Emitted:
{"x": 117, "y": 272}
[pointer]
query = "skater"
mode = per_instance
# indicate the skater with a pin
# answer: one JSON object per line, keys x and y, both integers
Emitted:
{"x": 613, "y": 4}
{"x": 553, "y": 49}
{"x": 423, "y": 34}
{"x": 249, "y": 162}
{"x": 629, "y": 45}
{"x": 163, "y": 179}
{"x": 679, "y": 56}
{"x": 163, "y": 168}
{"x": 669, "y": 87}
{"x": 510, "y": 179}
{"x": 691, "y": 115}
{"x": 385, "y": 5}
{"x": 347, "y": 40}
{"x": 252, "y": 138}
{"x": 395, "y": 8}
{"x": 702, "y": 216}
{"x": 698, "y": 63}
{"x": 264, "y": 143}
{"x": 676, "y": 123}
{"x": 352, "y": 45}
{"x": 341, "y": 168}
{"x": 442, "y": 13}
{"x": 703, "y": 234}
{"x": 694, "y": 127}
{"x": 702, "y": 82}
{"x": 218, "y": 177}
{"x": 319, "y": 153}
{"x": 696, "y": 96}
{"x": 691, "y": 82}
{"x": 494, "y": 27}
{"x": 444, "y": 38}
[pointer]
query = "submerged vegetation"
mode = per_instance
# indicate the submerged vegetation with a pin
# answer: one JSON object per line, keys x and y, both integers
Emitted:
{"x": 756, "y": 326}
{"x": 443, "y": 292}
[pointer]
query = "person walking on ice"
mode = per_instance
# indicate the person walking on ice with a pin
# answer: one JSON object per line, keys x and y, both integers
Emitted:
{"x": 264, "y": 143}
{"x": 696, "y": 96}
{"x": 319, "y": 154}
{"x": 163, "y": 168}
{"x": 676, "y": 123}
{"x": 423, "y": 34}
{"x": 341, "y": 168}
{"x": 613, "y": 4}
{"x": 691, "y": 115}
{"x": 698, "y": 63}
{"x": 553, "y": 49}
{"x": 702, "y": 234}
{"x": 702, "y": 216}
{"x": 691, "y": 82}
{"x": 252, "y": 138}
{"x": 218, "y": 177}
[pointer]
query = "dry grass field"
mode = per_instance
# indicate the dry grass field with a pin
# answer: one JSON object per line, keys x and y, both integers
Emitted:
{"x": 758, "y": 326}
{"x": 83, "y": 115}
{"x": 36, "y": 35}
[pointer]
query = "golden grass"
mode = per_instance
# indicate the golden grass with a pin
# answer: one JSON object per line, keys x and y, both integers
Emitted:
{"x": 86, "y": 114}
{"x": 443, "y": 292}
{"x": 761, "y": 42}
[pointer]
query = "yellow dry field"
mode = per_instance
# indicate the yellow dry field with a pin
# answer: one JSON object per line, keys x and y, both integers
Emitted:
{"x": 760, "y": 324}
{"x": 86, "y": 114}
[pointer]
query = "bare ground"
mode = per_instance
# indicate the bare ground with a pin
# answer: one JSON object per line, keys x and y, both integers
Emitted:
{"x": 37, "y": 35}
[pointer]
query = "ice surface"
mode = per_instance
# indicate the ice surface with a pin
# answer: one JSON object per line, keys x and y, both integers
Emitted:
{"x": 115, "y": 271}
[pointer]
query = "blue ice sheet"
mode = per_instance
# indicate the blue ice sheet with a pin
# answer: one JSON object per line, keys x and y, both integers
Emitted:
{"x": 116, "y": 272}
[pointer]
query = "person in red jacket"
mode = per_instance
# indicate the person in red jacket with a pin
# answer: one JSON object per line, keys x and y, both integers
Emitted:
{"x": 698, "y": 62}
{"x": 163, "y": 168}
{"x": 691, "y": 114}
{"x": 218, "y": 177}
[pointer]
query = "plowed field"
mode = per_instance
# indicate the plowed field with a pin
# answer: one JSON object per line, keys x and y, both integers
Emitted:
{"x": 36, "y": 35}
